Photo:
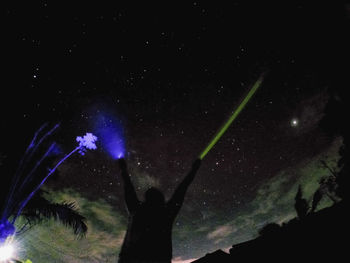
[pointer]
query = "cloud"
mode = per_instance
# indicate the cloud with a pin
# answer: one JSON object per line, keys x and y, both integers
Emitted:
{"x": 180, "y": 260}
{"x": 144, "y": 181}
{"x": 274, "y": 201}
{"x": 53, "y": 242}
{"x": 220, "y": 233}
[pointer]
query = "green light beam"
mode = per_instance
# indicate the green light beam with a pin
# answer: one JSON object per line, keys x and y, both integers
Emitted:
{"x": 232, "y": 117}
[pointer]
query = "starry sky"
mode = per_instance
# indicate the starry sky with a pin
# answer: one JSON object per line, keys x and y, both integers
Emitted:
{"x": 172, "y": 73}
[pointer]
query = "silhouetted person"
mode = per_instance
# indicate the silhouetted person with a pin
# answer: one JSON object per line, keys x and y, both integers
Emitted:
{"x": 148, "y": 237}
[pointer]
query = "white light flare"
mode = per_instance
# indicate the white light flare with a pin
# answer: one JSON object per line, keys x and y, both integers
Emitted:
{"x": 6, "y": 252}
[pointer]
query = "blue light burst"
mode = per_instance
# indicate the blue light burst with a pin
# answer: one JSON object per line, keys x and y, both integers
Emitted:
{"x": 110, "y": 132}
{"x": 6, "y": 229}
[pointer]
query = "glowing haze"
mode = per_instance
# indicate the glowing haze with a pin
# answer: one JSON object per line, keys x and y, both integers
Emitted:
{"x": 108, "y": 128}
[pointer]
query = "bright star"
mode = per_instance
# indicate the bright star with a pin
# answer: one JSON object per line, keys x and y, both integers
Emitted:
{"x": 294, "y": 122}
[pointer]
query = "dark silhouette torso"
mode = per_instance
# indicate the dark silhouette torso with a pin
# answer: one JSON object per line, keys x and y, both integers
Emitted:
{"x": 149, "y": 233}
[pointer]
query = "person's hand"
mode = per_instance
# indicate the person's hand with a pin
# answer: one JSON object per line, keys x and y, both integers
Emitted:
{"x": 122, "y": 163}
{"x": 196, "y": 164}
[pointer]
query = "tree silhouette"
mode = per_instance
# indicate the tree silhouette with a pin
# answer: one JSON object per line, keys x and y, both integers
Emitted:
{"x": 39, "y": 209}
{"x": 301, "y": 204}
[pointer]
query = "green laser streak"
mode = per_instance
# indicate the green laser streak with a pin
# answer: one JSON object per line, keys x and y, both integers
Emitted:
{"x": 232, "y": 117}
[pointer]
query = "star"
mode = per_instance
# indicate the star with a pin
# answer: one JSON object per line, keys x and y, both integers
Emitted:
{"x": 294, "y": 122}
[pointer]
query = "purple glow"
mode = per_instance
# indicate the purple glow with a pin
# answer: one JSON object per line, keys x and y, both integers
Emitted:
{"x": 30, "y": 174}
{"x": 25, "y": 201}
{"x": 6, "y": 229}
{"x": 86, "y": 142}
{"x": 111, "y": 136}
{"x": 33, "y": 146}
{"x": 15, "y": 204}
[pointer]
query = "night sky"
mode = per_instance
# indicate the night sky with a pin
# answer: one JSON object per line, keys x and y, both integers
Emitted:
{"x": 172, "y": 73}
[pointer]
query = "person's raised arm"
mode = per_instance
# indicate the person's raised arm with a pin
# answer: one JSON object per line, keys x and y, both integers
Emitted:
{"x": 131, "y": 199}
{"x": 178, "y": 197}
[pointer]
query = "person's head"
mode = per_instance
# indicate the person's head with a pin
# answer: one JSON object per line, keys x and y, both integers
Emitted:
{"x": 154, "y": 197}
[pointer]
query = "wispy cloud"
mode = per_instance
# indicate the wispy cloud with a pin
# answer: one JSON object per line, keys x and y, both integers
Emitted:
{"x": 180, "y": 260}
{"x": 274, "y": 202}
{"x": 220, "y": 233}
